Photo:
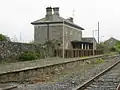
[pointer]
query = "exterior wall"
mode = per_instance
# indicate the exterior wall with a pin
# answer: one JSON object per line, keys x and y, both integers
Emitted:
{"x": 71, "y": 34}
{"x": 42, "y": 31}
{"x": 56, "y": 32}
{"x": 40, "y": 34}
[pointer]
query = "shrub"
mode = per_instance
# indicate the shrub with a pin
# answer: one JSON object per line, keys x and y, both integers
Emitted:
{"x": 99, "y": 61}
{"x": 27, "y": 56}
{"x": 4, "y": 38}
{"x": 113, "y": 49}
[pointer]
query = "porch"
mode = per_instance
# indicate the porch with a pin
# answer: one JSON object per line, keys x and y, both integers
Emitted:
{"x": 82, "y": 45}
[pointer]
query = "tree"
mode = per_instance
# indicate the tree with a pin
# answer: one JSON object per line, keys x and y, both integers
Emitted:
{"x": 4, "y": 38}
{"x": 113, "y": 49}
{"x": 117, "y": 46}
{"x": 100, "y": 46}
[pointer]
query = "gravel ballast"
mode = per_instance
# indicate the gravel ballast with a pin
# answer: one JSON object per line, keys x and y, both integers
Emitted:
{"x": 73, "y": 79}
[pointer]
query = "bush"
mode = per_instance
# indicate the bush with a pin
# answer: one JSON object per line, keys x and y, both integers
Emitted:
{"x": 4, "y": 38}
{"x": 113, "y": 49}
{"x": 27, "y": 56}
{"x": 99, "y": 61}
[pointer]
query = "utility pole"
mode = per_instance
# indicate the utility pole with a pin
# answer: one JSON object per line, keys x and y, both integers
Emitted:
{"x": 63, "y": 41}
{"x": 98, "y": 33}
{"x": 93, "y": 43}
{"x": 20, "y": 37}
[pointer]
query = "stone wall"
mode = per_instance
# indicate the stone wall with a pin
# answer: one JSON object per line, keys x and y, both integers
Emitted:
{"x": 45, "y": 32}
{"x": 11, "y": 50}
{"x": 55, "y": 32}
{"x": 44, "y": 73}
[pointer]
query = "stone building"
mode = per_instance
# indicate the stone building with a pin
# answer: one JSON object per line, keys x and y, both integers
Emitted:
{"x": 54, "y": 27}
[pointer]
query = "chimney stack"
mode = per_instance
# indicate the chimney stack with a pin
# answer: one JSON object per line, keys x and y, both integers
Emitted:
{"x": 49, "y": 13}
{"x": 56, "y": 11}
{"x": 70, "y": 19}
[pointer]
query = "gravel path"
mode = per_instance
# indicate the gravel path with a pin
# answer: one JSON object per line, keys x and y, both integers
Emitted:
{"x": 72, "y": 81}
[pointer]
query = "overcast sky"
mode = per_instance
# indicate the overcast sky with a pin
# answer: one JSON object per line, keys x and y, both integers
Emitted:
{"x": 16, "y": 16}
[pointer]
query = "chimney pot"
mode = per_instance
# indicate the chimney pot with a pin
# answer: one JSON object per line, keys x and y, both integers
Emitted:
{"x": 56, "y": 11}
{"x": 49, "y": 13}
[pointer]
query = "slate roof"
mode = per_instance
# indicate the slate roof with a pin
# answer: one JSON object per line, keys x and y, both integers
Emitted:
{"x": 88, "y": 39}
{"x": 56, "y": 21}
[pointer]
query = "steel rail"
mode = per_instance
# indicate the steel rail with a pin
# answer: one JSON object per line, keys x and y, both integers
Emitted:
{"x": 87, "y": 83}
{"x": 118, "y": 87}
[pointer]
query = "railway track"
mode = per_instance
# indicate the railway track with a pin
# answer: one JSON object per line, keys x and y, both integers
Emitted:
{"x": 118, "y": 87}
{"x": 77, "y": 79}
{"x": 108, "y": 79}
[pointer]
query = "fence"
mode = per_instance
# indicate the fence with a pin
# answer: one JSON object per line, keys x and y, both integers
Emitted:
{"x": 70, "y": 53}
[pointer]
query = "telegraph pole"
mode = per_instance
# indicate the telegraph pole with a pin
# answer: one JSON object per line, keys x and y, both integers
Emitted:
{"x": 98, "y": 33}
{"x": 20, "y": 37}
{"x": 63, "y": 41}
{"x": 93, "y": 42}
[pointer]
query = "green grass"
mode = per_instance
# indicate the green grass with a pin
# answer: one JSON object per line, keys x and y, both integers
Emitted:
{"x": 111, "y": 53}
{"x": 84, "y": 57}
{"x": 98, "y": 61}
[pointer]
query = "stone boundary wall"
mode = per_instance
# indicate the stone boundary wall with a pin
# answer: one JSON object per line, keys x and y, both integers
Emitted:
{"x": 11, "y": 50}
{"x": 42, "y": 72}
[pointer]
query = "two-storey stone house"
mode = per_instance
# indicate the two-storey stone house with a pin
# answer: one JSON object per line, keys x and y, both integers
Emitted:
{"x": 54, "y": 27}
